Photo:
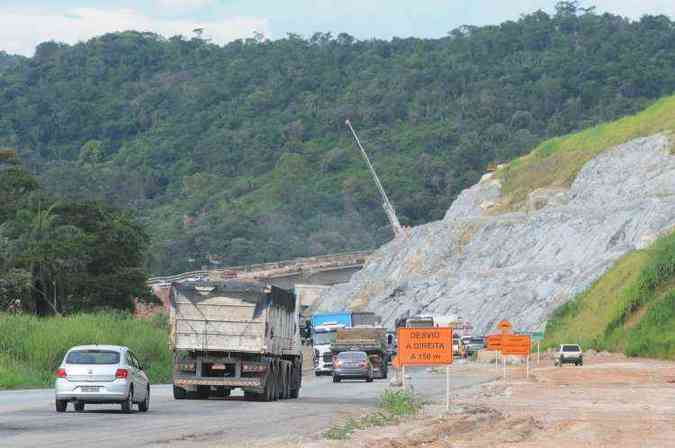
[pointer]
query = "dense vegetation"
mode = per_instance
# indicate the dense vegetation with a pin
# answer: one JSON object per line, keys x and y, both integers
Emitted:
{"x": 8, "y": 61}
{"x": 631, "y": 308}
{"x": 31, "y": 349}
{"x": 240, "y": 151}
{"x": 60, "y": 256}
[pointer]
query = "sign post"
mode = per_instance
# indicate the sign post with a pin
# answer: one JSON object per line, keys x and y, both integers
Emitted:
{"x": 527, "y": 367}
{"x": 494, "y": 343}
{"x": 447, "y": 387}
{"x": 426, "y": 347}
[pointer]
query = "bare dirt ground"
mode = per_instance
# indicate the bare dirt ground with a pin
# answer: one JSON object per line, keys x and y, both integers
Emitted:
{"x": 610, "y": 401}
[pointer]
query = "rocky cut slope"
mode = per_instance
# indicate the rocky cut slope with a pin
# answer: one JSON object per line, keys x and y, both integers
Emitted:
{"x": 485, "y": 266}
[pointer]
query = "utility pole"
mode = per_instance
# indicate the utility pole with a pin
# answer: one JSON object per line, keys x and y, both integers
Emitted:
{"x": 388, "y": 208}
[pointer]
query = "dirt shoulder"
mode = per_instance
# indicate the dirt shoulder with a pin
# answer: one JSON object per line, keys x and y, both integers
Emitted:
{"x": 610, "y": 401}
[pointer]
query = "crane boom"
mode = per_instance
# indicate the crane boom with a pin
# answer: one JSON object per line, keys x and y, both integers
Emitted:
{"x": 388, "y": 208}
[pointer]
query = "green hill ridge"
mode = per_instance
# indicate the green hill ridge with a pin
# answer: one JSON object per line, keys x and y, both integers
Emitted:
{"x": 238, "y": 153}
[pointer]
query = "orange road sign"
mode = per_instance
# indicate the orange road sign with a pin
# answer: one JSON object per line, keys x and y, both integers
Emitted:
{"x": 505, "y": 326}
{"x": 494, "y": 342}
{"x": 424, "y": 346}
{"x": 516, "y": 344}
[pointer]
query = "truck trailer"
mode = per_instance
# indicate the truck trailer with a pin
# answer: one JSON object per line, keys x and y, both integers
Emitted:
{"x": 235, "y": 335}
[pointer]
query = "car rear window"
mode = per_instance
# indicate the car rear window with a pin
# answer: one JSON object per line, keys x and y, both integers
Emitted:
{"x": 571, "y": 348}
{"x": 97, "y": 357}
{"x": 352, "y": 355}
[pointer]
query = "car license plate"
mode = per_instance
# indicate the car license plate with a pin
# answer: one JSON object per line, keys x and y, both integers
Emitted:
{"x": 89, "y": 388}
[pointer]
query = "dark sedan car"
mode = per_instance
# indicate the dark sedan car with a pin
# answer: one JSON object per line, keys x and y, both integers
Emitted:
{"x": 352, "y": 365}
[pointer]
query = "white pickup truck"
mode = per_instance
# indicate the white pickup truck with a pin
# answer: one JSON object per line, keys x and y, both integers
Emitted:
{"x": 568, "y": 354}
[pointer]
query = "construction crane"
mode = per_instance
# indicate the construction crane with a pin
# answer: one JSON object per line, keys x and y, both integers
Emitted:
{"x": 388, "y": 208}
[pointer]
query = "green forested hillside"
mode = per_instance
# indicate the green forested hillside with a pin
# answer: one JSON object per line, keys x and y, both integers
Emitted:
{"x": 240, "y": 151}
{"x": 8, "y": 61}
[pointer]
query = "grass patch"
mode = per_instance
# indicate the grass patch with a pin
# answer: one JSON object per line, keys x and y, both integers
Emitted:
{"x": 631, "y": 308}
{"x": 556, "y": 162}
{"x": 392, "y": 406}
{"x": 31, "y": 348}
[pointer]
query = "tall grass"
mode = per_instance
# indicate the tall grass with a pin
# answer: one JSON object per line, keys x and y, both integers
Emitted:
{"x": 556, "y": 162}
{"x": 631, "y": 308}
{"x": 31, "y": 348}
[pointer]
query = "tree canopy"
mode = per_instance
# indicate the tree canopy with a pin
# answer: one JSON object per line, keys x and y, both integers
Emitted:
{"x": 238, "y": 153}
{"x": 61, "y": 256}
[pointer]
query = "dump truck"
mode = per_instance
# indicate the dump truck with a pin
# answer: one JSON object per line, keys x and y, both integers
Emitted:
{"x": 372, "y": 340}
{"x": 235, "y": 335}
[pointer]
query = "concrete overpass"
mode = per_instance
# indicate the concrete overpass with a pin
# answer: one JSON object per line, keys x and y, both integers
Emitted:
{"x": 307, "y": 276}
{"x": 321, "y": 270}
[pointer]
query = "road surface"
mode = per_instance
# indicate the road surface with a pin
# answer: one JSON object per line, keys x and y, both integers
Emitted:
{"x": 28, "y": 418}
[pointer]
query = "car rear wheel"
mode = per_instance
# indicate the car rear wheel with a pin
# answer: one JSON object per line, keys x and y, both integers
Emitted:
{"x": 144, "y": 405}
{"x": 336, "y": 379}
{"x": 79, "y": 406}
{"x": 129, "y": 402}
{"x": 369, "y": 379}
{"x": 61, "y": 405}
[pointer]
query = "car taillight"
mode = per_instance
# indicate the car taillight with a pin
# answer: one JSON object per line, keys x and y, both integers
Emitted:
{"x": 121, "y": 373}
{"x": 61, "y": 373}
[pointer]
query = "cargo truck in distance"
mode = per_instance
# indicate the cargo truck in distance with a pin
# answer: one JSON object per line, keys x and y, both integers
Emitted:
{"x": 324, "y": 329}
{"x": 235, "y": 335}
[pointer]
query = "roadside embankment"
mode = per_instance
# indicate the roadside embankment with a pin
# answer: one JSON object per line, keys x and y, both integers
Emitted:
{"x": 631, "y": 308}
{"x": 31, "y": 348}
{"x": 610, "y": 401}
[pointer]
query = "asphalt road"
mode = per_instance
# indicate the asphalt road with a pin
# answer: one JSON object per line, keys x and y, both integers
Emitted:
{"x": 28, "y": 418}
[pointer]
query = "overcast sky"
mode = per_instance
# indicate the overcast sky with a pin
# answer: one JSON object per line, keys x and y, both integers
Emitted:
{"x": 25, "y": 23}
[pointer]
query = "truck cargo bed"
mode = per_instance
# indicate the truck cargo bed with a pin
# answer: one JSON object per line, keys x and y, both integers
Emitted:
{"x": 233, "y": 317}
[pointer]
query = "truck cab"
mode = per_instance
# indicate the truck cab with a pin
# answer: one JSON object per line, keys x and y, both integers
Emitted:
{"x": 323, "y": 337}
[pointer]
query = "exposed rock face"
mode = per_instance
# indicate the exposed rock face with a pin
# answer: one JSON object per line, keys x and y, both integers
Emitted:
{"x": 521, "y": 266}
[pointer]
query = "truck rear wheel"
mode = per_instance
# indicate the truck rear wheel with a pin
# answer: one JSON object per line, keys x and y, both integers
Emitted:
{"x": 296, "y": 381}
{"x": 178, "y": 393}
{"x": 268, "y": 393}
{"x": 202, "y": 393}
{"x": 285, "y": 388}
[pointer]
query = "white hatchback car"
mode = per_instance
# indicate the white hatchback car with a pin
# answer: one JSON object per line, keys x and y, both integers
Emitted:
{"x": 101, "y": 374}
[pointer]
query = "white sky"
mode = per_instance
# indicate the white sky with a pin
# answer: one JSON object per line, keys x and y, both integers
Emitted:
{"x": 25, "y": 23}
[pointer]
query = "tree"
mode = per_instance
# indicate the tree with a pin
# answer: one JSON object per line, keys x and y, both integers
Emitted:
{"x": 61, "y": 256}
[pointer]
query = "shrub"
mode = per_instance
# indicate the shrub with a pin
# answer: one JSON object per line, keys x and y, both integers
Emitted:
{"x": 33, "y": 347}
